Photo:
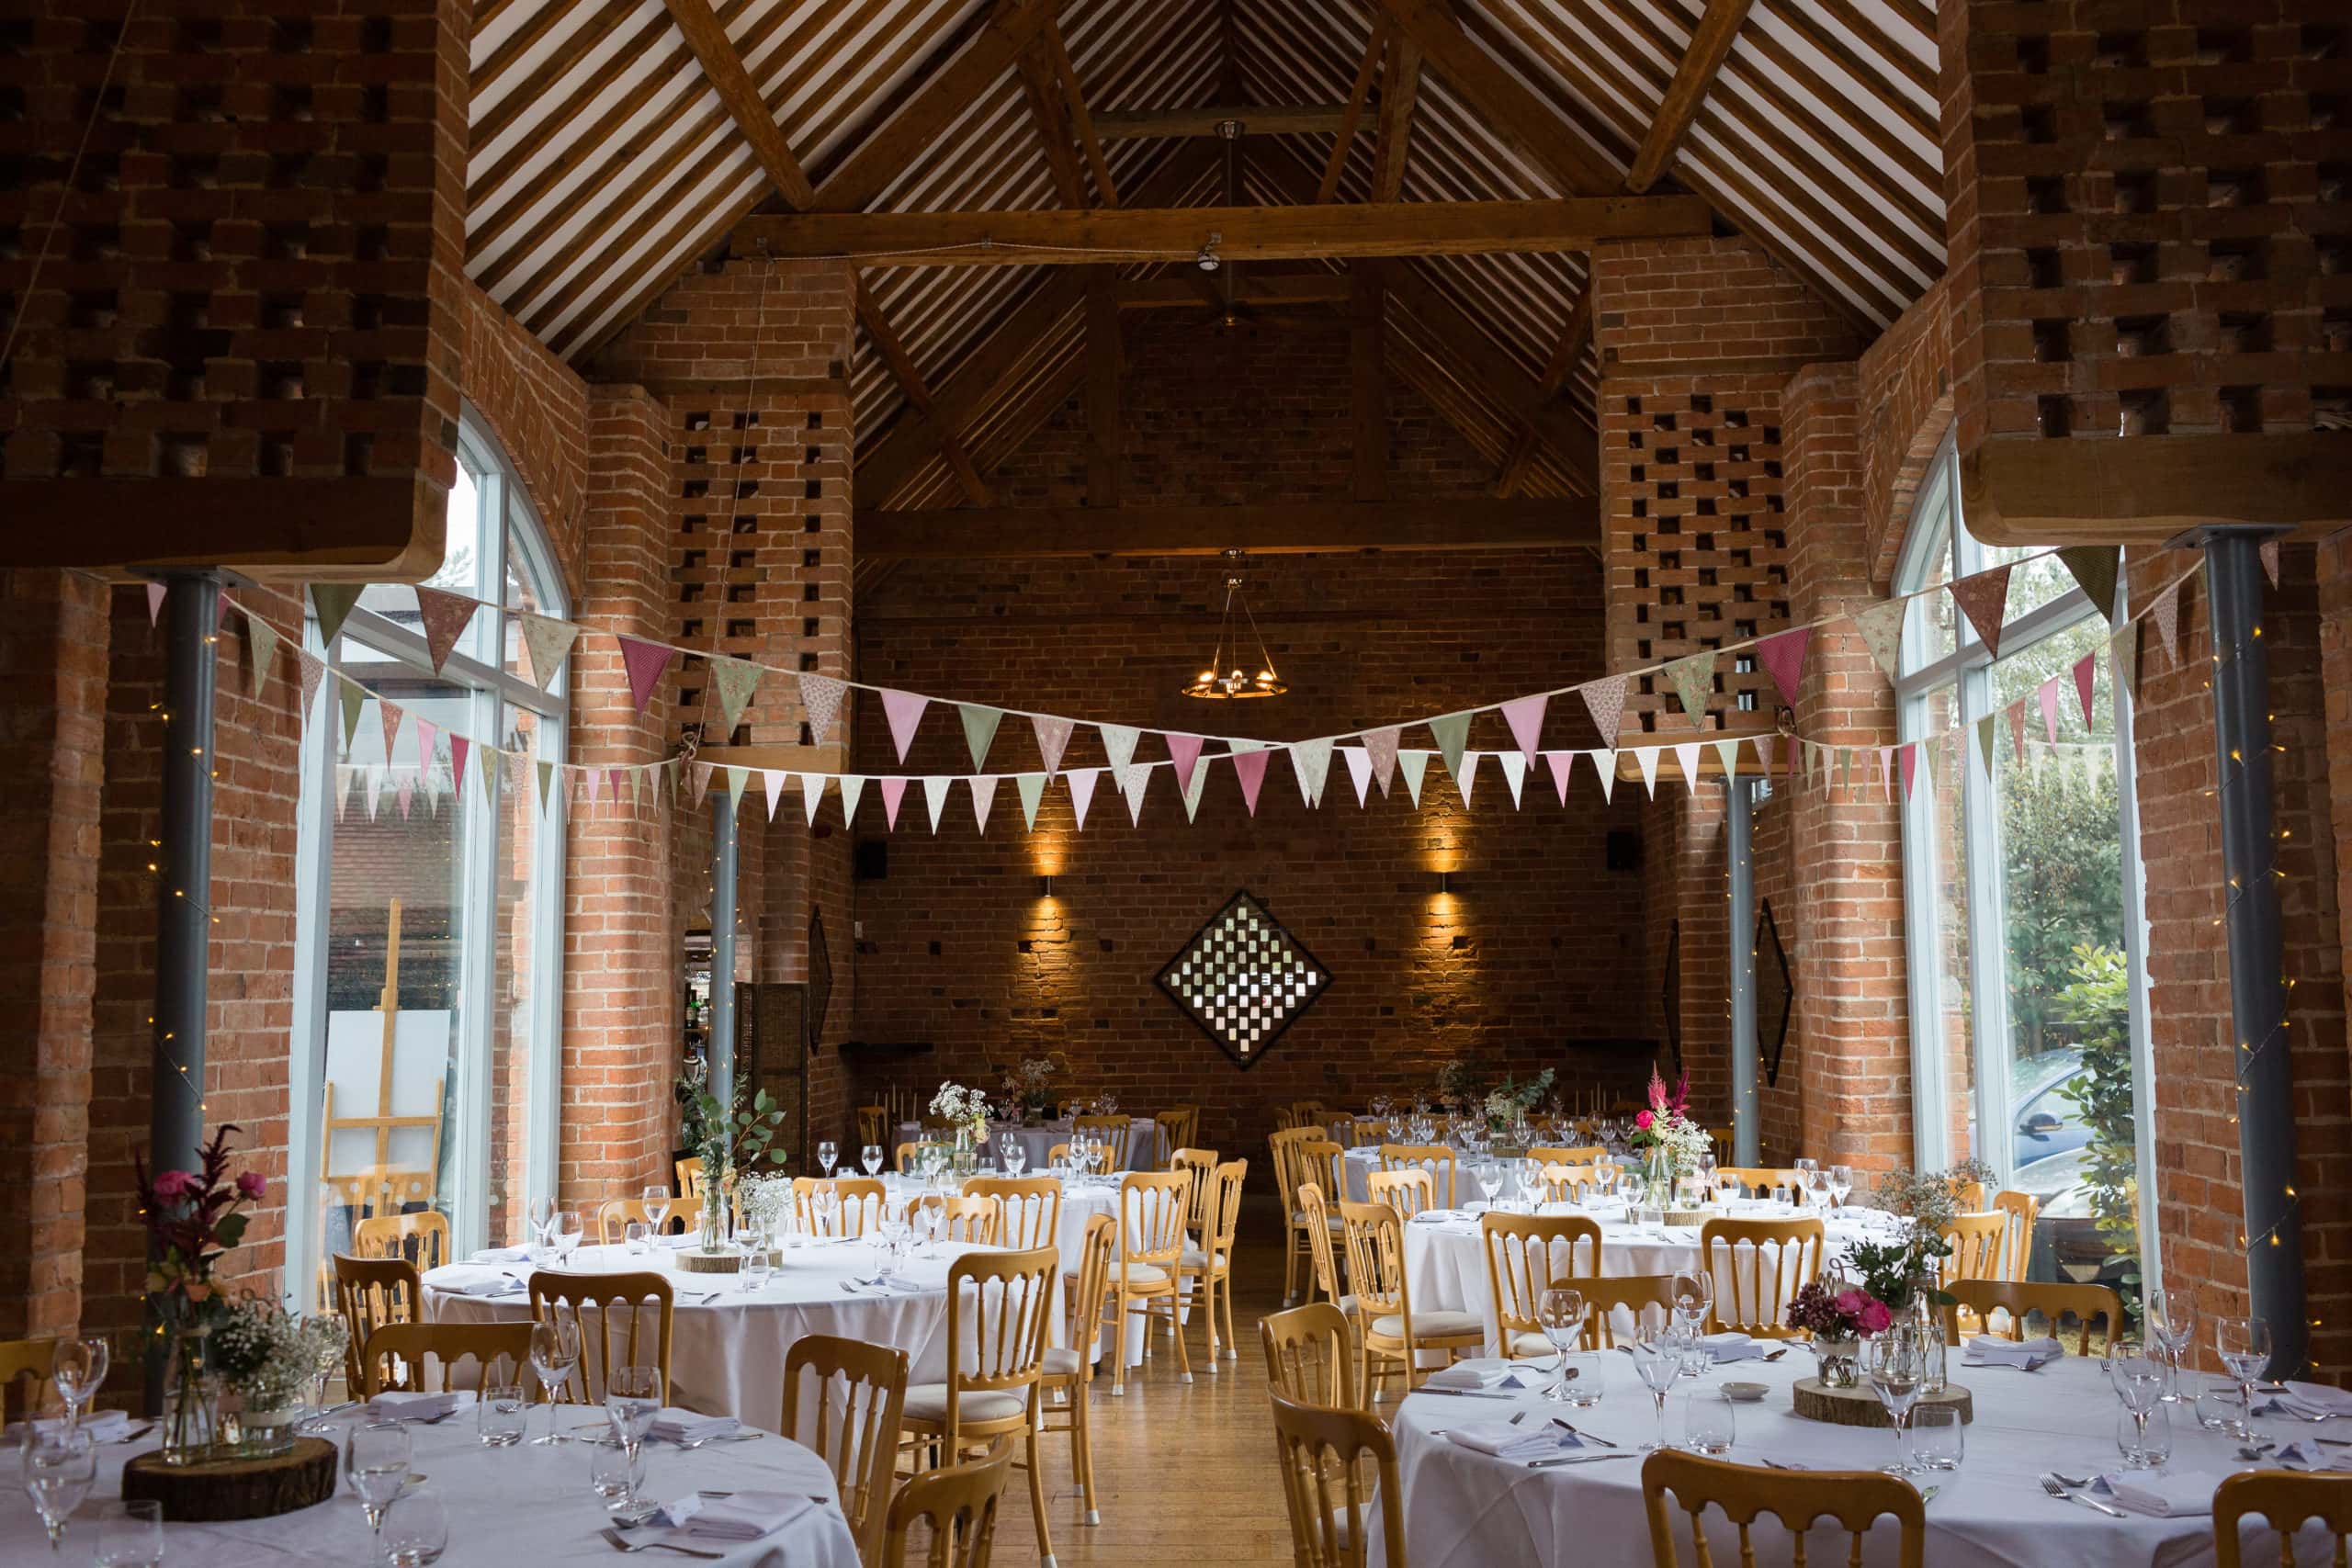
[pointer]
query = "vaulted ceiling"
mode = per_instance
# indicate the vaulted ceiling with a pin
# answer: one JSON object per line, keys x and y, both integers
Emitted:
{"x": 616, "y": 142}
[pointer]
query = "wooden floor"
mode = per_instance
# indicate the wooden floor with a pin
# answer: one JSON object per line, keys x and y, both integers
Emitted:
{"x": 1182, "y": 1473}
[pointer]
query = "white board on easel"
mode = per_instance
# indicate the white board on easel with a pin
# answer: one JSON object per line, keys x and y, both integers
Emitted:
{"x": 421, "y": 1048}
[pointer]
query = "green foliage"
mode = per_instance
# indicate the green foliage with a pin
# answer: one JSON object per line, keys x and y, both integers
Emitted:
{"x": 2065, "y": 875}
{"x": 730, "y": 1137}
{"x": 2096, "y": 1000}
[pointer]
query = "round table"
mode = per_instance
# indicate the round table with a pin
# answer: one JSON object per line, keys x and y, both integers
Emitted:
{"x": 506, "y": 1507}
{"x": 1466, "y": 1509}
{"x": 1144, "y": 1139}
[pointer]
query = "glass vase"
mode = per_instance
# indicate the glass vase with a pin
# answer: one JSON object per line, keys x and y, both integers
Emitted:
{"x": 1928, "y": 1322}
{"x": 191, "y": 1398}
{"x": 966, "y": 1157}
{"x": 1836, "y": 1362}
{"x": 1658, "y": 1176}
{"x": 713, "y": 1220}
{"x": 260, "y": 1418}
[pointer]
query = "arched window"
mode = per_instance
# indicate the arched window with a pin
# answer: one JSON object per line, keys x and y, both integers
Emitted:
{"x": 437, "y": 895}
{"x": 2022, "y": 895}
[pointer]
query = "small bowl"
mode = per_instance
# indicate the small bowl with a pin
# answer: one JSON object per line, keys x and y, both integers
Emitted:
{"x": 1745, "y": 1393}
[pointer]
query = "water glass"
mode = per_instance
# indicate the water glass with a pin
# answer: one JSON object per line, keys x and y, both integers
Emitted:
{"x": 1583, "y": 1370}
{"x": 555, "y": 1350}
{"x": 131, "y": 1535}
{"x": 827, "y": 1155}
{"x": 502, "y": 1415}
{"x": 77, "y": 1366}
{"x": 637, "y": 1237}
{"x": 1658, "y": 1363}
{"x": 59, "y": 1467}
{"x": 1781, "y": 1194}
{"x": 1936, "y": 1440}
{"x": 759, "y": 1262}
{"x": 416, "y": 1530}
{"x": 870, "y": 1156}
{"x": 1709, "y": 1422}
{"x": 2138, "y": 1377}
{"x": 632, "y": 1400}
{"x": 2143, "y": 1438}
{"x": 2220, "y": 1407}
{"x": 615, "y": 1475}
{"x": 657, "y": 1207}
{"x": 1897, "y": 1372}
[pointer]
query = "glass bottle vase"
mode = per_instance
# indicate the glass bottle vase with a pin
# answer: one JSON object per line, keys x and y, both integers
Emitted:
{"x": 191, "y": 1426}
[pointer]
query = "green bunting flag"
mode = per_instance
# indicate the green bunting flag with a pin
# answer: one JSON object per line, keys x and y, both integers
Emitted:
{"x": 1413, "y": 765}
{"x": 261, "y": 648}
{"x": 1452, "y": 732}
{"x": 354, "y": 698}
{"x": 1693, "y": 679}
{"x": 333, "y": 602}
{"x": 2097, "y": 567}
{"x": 733, "y": 681}
{"x": 1033, "y": 790}
{"x": 979, "y": 730}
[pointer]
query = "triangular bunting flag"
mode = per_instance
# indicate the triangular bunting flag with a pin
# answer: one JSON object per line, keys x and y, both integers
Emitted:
{"x": 261, "y": 648}
{"x": 343, "y": 772}
{"x": 1605, "y": 700}
{"x": 1784, "y": 654}
{"x": 1031, "y": 787}
{"x": 407, "y": 795}
{"x": 1727, "y": 753}
{"x": 2270, "y": 553}
{"x": 1764, "y": 745}
{"x": 2095, "y": 569}
{"x": 1191, "y": 792}
{"x": 546, "y": 777}
{"x": 2086, "y": 671}
{"x": 2017, "y": 729}
{"x": 2047, "y": 695}
{"x": 1184, "y": 751}
{"x": 820, "y": 699}
{"x": 314, "y": 672}
{"x": 1687, "y": 759}
{"x": 935, "y": 795}
{"x": 457, "y": 748}
{"x": 1359, "y": 772}
{"x": 1846, "y": 770}
{"x": 1415, "y": 766}
{"x": 1984, "y": 598}
{"x": 391, "y": 714}
{"x": 1514, "y": 772}
{"x": 1562, "y": 763}
{"x": 979, "y": 730}
{"x": 1909, "y": 757}
{"x": 1647, "y": 757}
{"x": 1380, "y": 747}
{"x": 771, "y": 779}
{"x": 1525, "y": 716}
{"x": 1605, "y": 764}
{"x": 1693, "y": 679}
{"x": 736, "y": 778}
{"x": 1985, "y": 741}
{"x": 1882, "y": 629}
{"x": 1053, "y": 738}
{"x": 1081, "y": 791}
{"x": 732, "y": 682}
{"x": 1250, "y": 767}
{"x": 983, "y": 796}
{"x": 1466, "y": 776}
{"x": 427, "y": 733}
{"x": 1452, "y": 733}
{"x": 852, "y": 788}
{"x": 645, "y": 662}
{"x": 333, "y": 603}
{"x": 548, "y": 642}
{"x": 445, "y": 617}
{"x": 894, "y": 790}
{"x": 812, "y": 796}
{"x": 2125, "y": 644}
{"x": 1312, "y": 760}
{"x": 486, "y": 757}
{"x": 2167, "y": 613}
{"x": 1119, "y": 744}
{"x": 1141, "y": 777}
{"x": 354, "y": 698}
{"x": 374, "y": 790}
{"x": 904, "y": 710}
{"x": 1886, "y": 771}
{"x": 702, "y": 780}
{"x": 155, "y": 592}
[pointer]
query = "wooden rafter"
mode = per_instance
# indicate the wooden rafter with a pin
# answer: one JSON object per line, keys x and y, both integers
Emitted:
{"x": 1048, "y": 114}
{"x": 1289, "y": 528}
{"x": 1106, "y": 189}
{"x": 714, "y": 52}
{"x": 917, "y": 394}
{"x": 1566, "y": 356}
{"x": 1710, "y": 43}
{"x": 1257, "y": 120}
{"x": 1502, "y": 377}
{"x": 1400, "y": 84}
{"x": 1359, "y": 95}
{"x": 1484, "y": 81}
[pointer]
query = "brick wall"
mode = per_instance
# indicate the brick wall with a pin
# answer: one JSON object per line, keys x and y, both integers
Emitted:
{"x": 1906, "y": 402}
{"x": 1688, "y": 929}
{"x": 536, "y": 406}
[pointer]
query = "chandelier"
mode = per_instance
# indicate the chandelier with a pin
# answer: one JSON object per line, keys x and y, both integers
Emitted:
{"x": 1223, "y": 682}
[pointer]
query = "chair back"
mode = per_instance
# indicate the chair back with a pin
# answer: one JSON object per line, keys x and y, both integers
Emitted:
{"x": 1110, "y": 1132}
{"x": 1978, "y": 1242}
{"x": 1180, "y": 1126}
{"x": 1435, "y": 1158}
{"x": 1326, "y": 1452}
{"x": 1762, "y": 1266}
{"x": 1317, "y": 1159}
{"x": 1375, "y": 1241}
{"x": 845, "y": 1399}
{"x": 1527, "y": 1255}
{"x": 2022, "y": 1209}
{"x": 999, "y": 1312}
{"x": 398, "y": 1353}
{"x": 1367, "y": 1132}
{"x": 1152, "y": 1208}
{"x": 370, "y": 1293}
{"x": 1566, "y": 1183}
{"x": 1284, "y": 1143}
{"x": 2284, "y": 1500}
{"x": 382, "y": 1188}
{"x": 1317, "y": 1214}
{"x": 862, "y": 1198}
{"x": 903, "y": 1160}
{"x": 1760, "y": 1179}
{"x": 1722, "y": 1138}
{"x": 1311, "y": 1113}
{"x": 1674, "y": 1481}
{"x": 1605, "y": 1293}
{"x": 610, "y": 1311}
{"x": 2021, "y": 1298}
{"x": 615, "y": 1215}
{"x": 1028, "y": 1208}
{"x": 1557, "y": 1153}
{"x": 1223, "y": 1219}
{"x": 1408, "y": 1191}
{"x": 25, "y": 1362}
{"x": 1307, "y": 1358}
{"x": 964, "y": 1218}
{"x": 1092, "y": 1288}
{"x": 421, "y": 1237}
{"x": 874, "y": 1125}
{"x": 688, "y": 1172}
{"x": 957, "y": 1507}
{"x": 1200, "y": 1165}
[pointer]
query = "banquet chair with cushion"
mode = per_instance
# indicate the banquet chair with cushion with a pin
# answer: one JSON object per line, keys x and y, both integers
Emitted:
{"x": 1028, "y": 1208}
{"x": 2021, "y": 1298}
{"x": 1604, "y": 1293}
{"x": 615, "y": 1215}
{"x": 2284, "y": 1500}
{"x": 1435, "y": 1158}
{"x": 1977, "y": 1244}
{"x": 1000, "y": 1310}
{"x": 688, "y": 1172}
{"x": 1339, "y": 1465}
{"x": 1554, "y": 1154}
{"x": 1753, "y": 1288}
{"x": 1179, "y": 1126}
{"x": 1152, "y": 1205}
{"x": 1392, "y": 1331}
{"x": 1112, "y": 1132}
{"x": 1522, "y": 1263}
{"x": 874, "y": 1125}
{"x": 609, "y": 1310}
{"x": 1322, "y": 1161}
{"x": 1744, "y": 1493}
{"x": 850, "y": 1415}
{"x": 957, "y": 1507}
{"x": 861, "y": 1200}
{"x": 1311, "y": 1355}
{"x": 370, "y": 1293}
{"x": 1406, "y": 1191}
{"x": 1067, "y": 1371}
{"x": 1568, "y": 1183}
{"x": 21, "y": 1359}
{"x": 1284, "y": 1145}
{"x": 2021, "y": 1209}
{"x": 423, "y": 1238}
{"x": 1209, "y": 1266}
{"x": 395, "y": 1356}
{"x": 966, "y": 1218}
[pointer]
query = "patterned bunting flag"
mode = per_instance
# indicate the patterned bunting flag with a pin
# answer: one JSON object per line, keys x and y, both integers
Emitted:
{"x": 1312, "y": 761}
{"x": 314, "y": 672}
{"x": 1984, "y": 598}
{"x": 1525, "y": 716}
{"x": 771, "y": 779}
{"x": 1882, "y": 629}
{"x": 1142, "y": 776}
{"x": 1119, "y": 744}
{"x": 2270, "y": 553}
{"x": 1031, "y": 787}
{"x": 1647, "y": 758}
{"x": 2085, "y": 670}
{"x": 1191, "y": 792}
{"x": 2047, "y": 695}
{"x": 2017, "y": 729}
{"x": 983, "y": 796}
{"x": 445, "y": 617}
{"x": 1184, "y": 751}
{"x": 458, "y": 745}
{"x": 2125, "y": 644}
{"x": 852, "y": 788}
{"x": 934, "y": 796}
{"x": 1053, "y": 738}
{"x": 355, "y": 698}
{"x": 812, "y": 796}
{"x": 1561, "y": 763}
{"x": 2167, "y": 614}
{"x": 1514, "y": 772}
{"x": 332, "y": 603}
{"x": 1727, "y": 753}
{"x": 702, "y": 780}
{"x": 1693, "y": 679}
{"x": 1605, "y": 764}
{"x": 2095, "y": 569}
{"x": 1415, "y": 765}
{"x": 1784, "y": 654}
{"x": 261, "y": 648}
{"x": 979, "y": 730}
{"x": 1764, "y": 745}
{"x": 1081, "y": 789}
{"x": 820, "y": 699}
{"x": 646, "y": 663}
{"x": 1250, "y": 767}
{"x": 155, "y": 592}
{"x": 894, "y": 790}
{"x": 1379, "y": 750}
{"x": 1359, "y": 772}
{"x": 904, "y": 710}
{"x": 1605, "y": 701}
{"x": 1452, "y": 733}
{"x": 1687, "y": 759}
{"x": 732, "y": 682}
{"x": 391, "y": 714}
{"x": 1468, "y": 776}
{"x": 548, "y": 642}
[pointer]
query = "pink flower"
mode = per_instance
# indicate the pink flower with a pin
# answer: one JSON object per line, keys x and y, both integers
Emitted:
{"x": 1875, "y": 1318}
{"x": 171, "y": 1186}
{"x": 1850, "y": 1303}
{"x": 1643, "y": 1120}
{"x": 251, "y": 1185}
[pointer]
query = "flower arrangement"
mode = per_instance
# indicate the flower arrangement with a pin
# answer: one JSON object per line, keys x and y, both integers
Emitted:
{"x": 1897, "y": 1272}
{"x": 1030, "y": 1085}
{"x": 1510, "y": 1101}
{"x": 731, "y": 1139}
{"x": 1460, "y": 1084}
{"x": 1664, "y": 1126}
{"x": 262, "y": 1356}
{"x": 1828, "y": 1311}
{"x": 967, "y": 1109}
{"x": 192, "y": 1219}
{"x": 763, "y": 1200}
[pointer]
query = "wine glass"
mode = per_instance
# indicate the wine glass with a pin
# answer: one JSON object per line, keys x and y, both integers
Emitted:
{"x": 759, "y": 1261}
{"x": 1659, "y": 1361}
{"x": 1707, "y": 1170}
{"x": 2243, "y": 1345}
{"x": 632, "y": 1399}
{"x": 541, "y": 1212}
{"x": 78, "y": 1368}
{"x": 555, "y": 1350}
{"x": 1017, "y": 1159}
{"x": 1489, "y": 1177}
{"x": 59, "y": 1466}
{"x": 657, "y": 1207}
{"x": 1692, "y": 1291}
{"x": 1560, "y": 1314}
{"x": 1806, "y": 1169}
{"x": 826, "y": 1156}
{"x": 375, "y": 1462}
{"x": 2139, "y": 1381}
{"x": 564, "y": 1230}
{"x": 1842, "y": 1182}
{"x": 870, "y": 1156}
{"x": 2170, "y": 1318}
{"x": 130, "y": 1534}
{"x": 328, "y": 1340}
{"x": 1898, "y": 1371}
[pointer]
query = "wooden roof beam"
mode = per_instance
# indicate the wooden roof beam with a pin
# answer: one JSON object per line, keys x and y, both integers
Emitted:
{"x": 1566, "y": 428}
{"x": 1090, "y": 140}
{"x": 714, "y": 52}
{"x": 1257, "y": 120}
{"x": 1244, "y": 233}
{"x": 1400, "y": 84}
{"x": 1709, "y": 46}
{"x": 1290, "y": 528}
{"x": 1357, "y": 96}
{"x": 1565, "y": 354}
{"x": 894, "y": 354}
{"x": 1485, "y": 83}
{"x": 1257, "y": 287}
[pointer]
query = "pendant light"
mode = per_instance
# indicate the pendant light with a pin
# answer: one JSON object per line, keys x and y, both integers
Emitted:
{"x": 1226, "y": 679}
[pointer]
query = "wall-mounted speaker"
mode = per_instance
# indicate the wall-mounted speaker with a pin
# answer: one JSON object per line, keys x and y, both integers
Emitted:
{"x": 874, "y": 859}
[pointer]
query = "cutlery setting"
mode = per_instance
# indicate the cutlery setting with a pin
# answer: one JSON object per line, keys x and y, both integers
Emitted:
{"x": 2050, "y": 1484}
{"x": 622, "y": 1544}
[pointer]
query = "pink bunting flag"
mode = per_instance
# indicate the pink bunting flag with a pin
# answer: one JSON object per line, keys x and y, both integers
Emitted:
{"x": 646, "y": 663}
{"x": 2086, "y": 671}
{"x": 1081, "y": 781}
{"x": 904, "y": 710}
{"x": 1605, "y": 700}
{"x": 1053, "y": 738}
{"x": 2047, "y": 695}
{"x": 702, "y": 780}
{"x": 1886, "y": 771}
{"x": 407, "y": 794}
{"x": 1250, "y": 767}
{"x": 983, "y": 796}
{"x": 893, "y": 792}
{"x": 1561, "y": 763}
{"x": 1784, "y": 654}
{"x": 458, "y": 747}
{"x": 425, "y": 731}
{"x": 1909, "y": 757}
{"x": 595, "y": 783}
{"x": 1984, "y": 598}
{"x": 1764, "y": 745}
{"x": 1185, "y": 751}
{"x": 155, "y": 592}
{"x": 1379, "y": 750}
{"x": 1525, "y": 716}
{"x": 445, "y": 617}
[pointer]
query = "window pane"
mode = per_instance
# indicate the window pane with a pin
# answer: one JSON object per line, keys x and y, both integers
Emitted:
{"x": 2039, "y": 578}
{"x": 1945, "y": 839}
{"x": 515, "y": 911}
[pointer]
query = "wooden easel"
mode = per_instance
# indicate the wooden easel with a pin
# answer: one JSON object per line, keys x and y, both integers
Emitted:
{"x": 372, "y": 1191}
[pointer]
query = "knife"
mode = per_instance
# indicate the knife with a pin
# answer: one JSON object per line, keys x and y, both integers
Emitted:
{"x": 1574, "y": 1459}
{"x": 1465, "y": 1392}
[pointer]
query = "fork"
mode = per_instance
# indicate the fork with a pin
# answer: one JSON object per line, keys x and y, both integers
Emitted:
{"x": 2050, "y": 1485}
{"x": 622, "y": 1544}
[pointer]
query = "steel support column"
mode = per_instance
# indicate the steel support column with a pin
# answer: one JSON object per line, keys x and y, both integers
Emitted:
{"x": 722, "y": 945}
{"x": 1740, "y": 894}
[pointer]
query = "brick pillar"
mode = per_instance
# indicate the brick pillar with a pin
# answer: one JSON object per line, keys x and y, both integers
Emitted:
{"x": 53, "y": 671}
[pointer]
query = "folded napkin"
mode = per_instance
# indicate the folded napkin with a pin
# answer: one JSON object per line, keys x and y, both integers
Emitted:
{"x": 683, "y": 1239}
{"x": 398, "y": 1405}
{"x": 501, "y": 1255}
{"x": 1731, "y": 1346}
{"x": 747, "y": 1516}
{"x": 1530, "y": 1439}
{"x": 895, "y": 1285}
{"x": 104, "y": 1425}
{"x": 2307, "y": 1400}
{"x": 1472, "y": 1376}
{"x": 2160, "y": 1495}
{"x": 2030, "y": 1355}
{"x": 2315, "y": 1455}
{"x": 673, "y": 1425}
{"x": 497, "y": 1285}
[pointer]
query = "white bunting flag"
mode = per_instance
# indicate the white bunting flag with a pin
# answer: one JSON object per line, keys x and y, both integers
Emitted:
{"x": 935, "y": 795}
{"x": 1359, "y": 761}
{"x": 1142, "y": 782}
{"x": 852, "y": 785}
{"x": 374, "y": 789}
{"x": 1647, "y": 757}
{"x": 1191, "y": 791}
{"x": 812, "y": 795}
{"x": 1687, "y": 759}
{"x": 1081, "y": 791}
{"x": 1466, "y": 775}
{"x": 1312, "y": 760}
{"x": 983, "y": 796}
{"x": 772, "y": 780}
{"x": 1605, "y": 764}
{"x": 1514, "y": 772}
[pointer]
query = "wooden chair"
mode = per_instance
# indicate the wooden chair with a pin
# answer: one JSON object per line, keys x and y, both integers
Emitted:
{"x": 966, "y": 1218}
{"x": 370, "y": 1293}
{"x": 1757, "y": 1296}
{"x": 1604, "y": 1293}
{"x": 1311, "y": 1113}
{"x": 1210, "y": 1264}
{"x": 1057, "y": 1153}
{"x": 615, "y": 1215}
{"x": 608, "y": 1301}
{"x": 854, "y": 1409}
{"x": 1180, "y": 1126}
{"x": 1722, "y": 1138}
{"x": 2023, "y": 1210}
{"x": 421, "y": 1237}
{"x": 1554, "y": 1154}
{"x": 873, "y": 1127}
{"x": 1854, "y": 1498}
{"x": 2021, "y": 1298}
{"x": 1069, "y": 1371}
{"x": 1326, "y": 1453}
{"x": 999, "y": 1308}
{"x": 1311, "y": 1355}
{"x": 1392, "y": 1331}
{"x": 2284, "y": 1500}
{"x": 396, "y": 1353}
{"x": 1978, "y": 1242}
{"x": 688, "y": 1172}
{"x": 1200, "y": 1165}
{"x": 23, "y": 1359}
{"x": 1326, "y": 1277}
{"x": 1284, "y": 1145}
{"x": 1028, "y": 1208}
{"x": 1112, "y": 1132}
{"x": 958, "y": 1506}
{"x": 1323, "y": 1162}
{"x": 1971, "y": 1196}
{"x": 1527, "y": 1255}
{"x": 1406, "y": 1191}
{"x": 1567, "y": 1183}
{"x": 903, "y": 1161}
{"x": 1435, "y": 1158}
{"x": 1760, "y": 1179}
{"x": 862, "y": 1198}
{"x": 1152, "y": 1205}
{"x": 1366, "y": 1132}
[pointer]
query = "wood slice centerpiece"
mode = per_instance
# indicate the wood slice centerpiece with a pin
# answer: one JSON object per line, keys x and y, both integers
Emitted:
{"x": 1815, "y": 1401}
{"x": 235, "y": 1488}
{"x": 1686, "y": 1218}
{"x": 693, "y": 1262}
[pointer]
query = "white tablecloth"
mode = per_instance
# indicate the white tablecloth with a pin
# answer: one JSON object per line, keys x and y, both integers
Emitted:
{"x": 507, "y": 1507}
{"x": 1143, "y": 1150}
{"x": 1465, "y": 1509}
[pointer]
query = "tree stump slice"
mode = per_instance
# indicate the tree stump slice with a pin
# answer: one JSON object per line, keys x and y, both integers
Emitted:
{"x": 235, "y": 1488}
{"x": 693, "y": 1262}
{"x": 1860, "y": 1407}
